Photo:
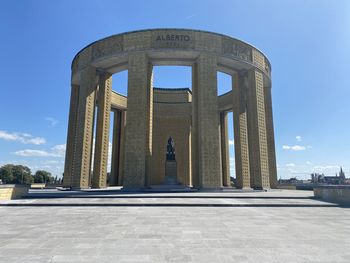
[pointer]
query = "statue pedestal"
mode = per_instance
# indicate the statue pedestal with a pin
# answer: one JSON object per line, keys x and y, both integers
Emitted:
{"x": 170, "y": 173}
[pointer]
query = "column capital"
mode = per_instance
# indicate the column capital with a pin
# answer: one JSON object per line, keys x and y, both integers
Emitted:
{"x": 102, "y": 72}
{"x": 88, "y": 77}
{"x": 243, "y": 72}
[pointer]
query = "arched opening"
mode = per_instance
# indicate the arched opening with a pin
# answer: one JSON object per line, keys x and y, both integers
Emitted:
{"x": 171, "y": 122}
{"x": 224, "y": 82}
{"x": 231, "y": 145}
{"x": 171, "y": 77}
{"x": 114, "y": 166}
{"x": 120, "y": 82}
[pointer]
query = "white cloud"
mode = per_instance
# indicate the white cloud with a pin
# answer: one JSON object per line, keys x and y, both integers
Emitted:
{"x": 298, "y": 137}
{"x": 232, "y": 167}
{"x": 21, "y": 137}
{"x": 231, "y": 142}
{"x": 326, "y": 167}
{"x": 32, "y": 153}
{"x": 308, "y": 163}
{"x": 290, "y": 165}
{"x": 109, "y": 163}
{"x": 52, "y": 121}
{"x": 8, "y": 136}
{"x": 190, "y": 16}
{"x": 36, "y": 141}
{"x": 294, "y": 147}
{"x": 59, "y": 150}
{"x": 51, "y": 162}
{"x": 291, "y": 170}
{"x": 56, "y": 151}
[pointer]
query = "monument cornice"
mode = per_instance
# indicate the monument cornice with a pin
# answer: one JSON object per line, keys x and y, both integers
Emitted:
{"x": 172, "y": 39}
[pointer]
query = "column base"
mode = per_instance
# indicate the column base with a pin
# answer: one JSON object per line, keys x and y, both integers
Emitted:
{"x": 261, "y": 188}
{"x": 102, "y": 187}
{"x": 135, "y": 189}
{"x": 79, "y": 188}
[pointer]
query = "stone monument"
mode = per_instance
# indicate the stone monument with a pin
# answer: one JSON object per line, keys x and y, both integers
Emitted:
{"x": 194, "y": 117}
{"x": 170, "y": 164}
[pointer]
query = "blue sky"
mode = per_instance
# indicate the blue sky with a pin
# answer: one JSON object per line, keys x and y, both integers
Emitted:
{"x": 307, "y": 43}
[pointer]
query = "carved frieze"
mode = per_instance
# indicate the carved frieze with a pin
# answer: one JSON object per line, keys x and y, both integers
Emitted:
{"x": 107, "y": 46}
{"x": 237, "y": 49}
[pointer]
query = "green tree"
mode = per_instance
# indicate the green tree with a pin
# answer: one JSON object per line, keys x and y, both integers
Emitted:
{"x": 6, "y": 174}
{"x": 42, "y": 176}
{"x": 16, "y": 174}
{"x": 22, "y": 174}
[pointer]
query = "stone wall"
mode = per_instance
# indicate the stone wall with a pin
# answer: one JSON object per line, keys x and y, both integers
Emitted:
{"x": 12, "y": 191}
{"x": 333, "y": 193}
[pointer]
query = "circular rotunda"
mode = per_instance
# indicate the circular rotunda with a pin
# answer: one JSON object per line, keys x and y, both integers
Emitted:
{"x": 170, "y": 136}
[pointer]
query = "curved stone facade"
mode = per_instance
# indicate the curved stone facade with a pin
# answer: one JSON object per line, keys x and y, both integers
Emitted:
{"x": 196, "y": 119}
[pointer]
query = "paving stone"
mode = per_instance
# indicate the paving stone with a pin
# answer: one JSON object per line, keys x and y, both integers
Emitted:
{"x": 312, "y": 231}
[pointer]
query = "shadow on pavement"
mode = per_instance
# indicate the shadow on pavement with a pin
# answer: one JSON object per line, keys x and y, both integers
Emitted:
{"x": 164, "y": 205}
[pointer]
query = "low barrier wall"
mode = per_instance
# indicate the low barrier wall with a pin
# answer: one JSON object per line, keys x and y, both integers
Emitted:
{"x": 286, "y": 186}
{"x": 13, "y": 191}
{"x": 333, "y": 193}
{"x": 38, "y": 186}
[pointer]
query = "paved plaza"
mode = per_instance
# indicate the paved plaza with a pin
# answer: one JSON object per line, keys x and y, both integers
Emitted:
{"x": 229, "y": 226}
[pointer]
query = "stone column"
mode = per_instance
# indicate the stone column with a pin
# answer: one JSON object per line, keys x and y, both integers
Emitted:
{"x": 270, "y": 137}
{"x": 225, "y": 154}
{"x": 117, "y": 149}
{"x": 194, "y": 133}
{"x": 99, "y": 179}
{"x": 84, "y": 129}
{"x": 72, "y": 123}
{"x": 240, "y": 86}
{"x": 122, "y": 143}
{"x": 189, "y": 156}
{"x": 207, "y": 126}
{"x": 138, "y": 130}
{"x": 149, "y": 134}
{"x": 258, "y": 152}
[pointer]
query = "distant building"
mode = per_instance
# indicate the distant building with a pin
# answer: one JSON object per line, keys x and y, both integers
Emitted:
{"x": 341, "y": 173}
{"x": 322, "y": 179}
{"x": 290, "y": 181}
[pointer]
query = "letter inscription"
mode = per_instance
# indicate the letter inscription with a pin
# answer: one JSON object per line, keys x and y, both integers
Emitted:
{"x": 168, "y": 40}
